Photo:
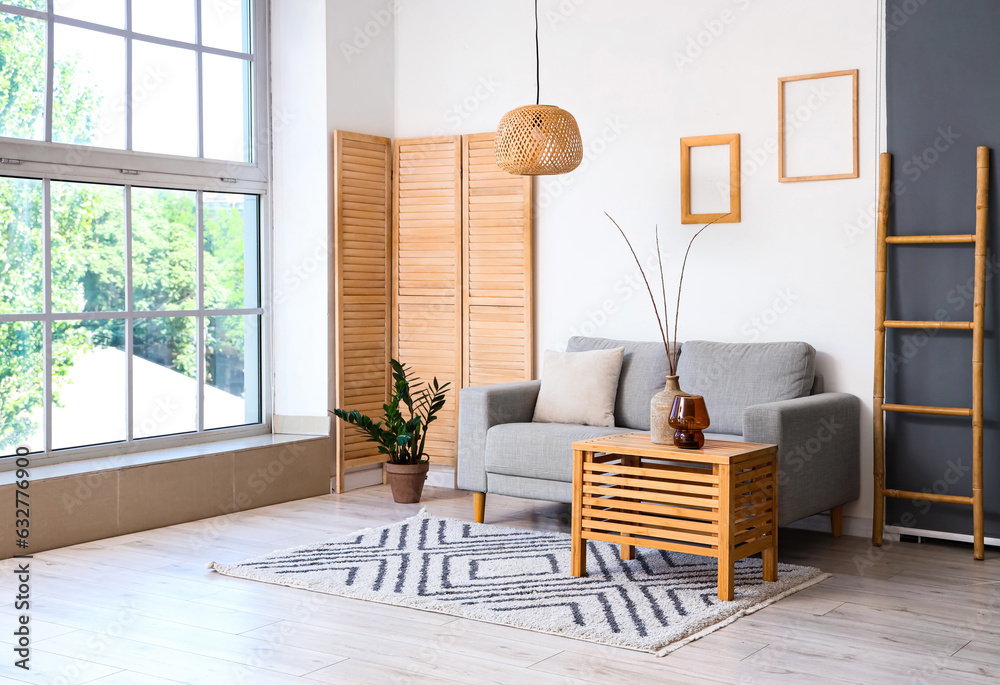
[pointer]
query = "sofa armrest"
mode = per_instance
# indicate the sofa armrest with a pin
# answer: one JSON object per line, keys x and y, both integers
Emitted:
{"x": 479, "y": 409}
{"x": 819, "y": 450}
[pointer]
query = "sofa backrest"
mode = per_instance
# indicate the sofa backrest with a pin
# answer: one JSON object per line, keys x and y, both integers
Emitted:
{"x": 644, "y": 373}
{"x": 734, "y": 376}
{"x": 731, "y": 376}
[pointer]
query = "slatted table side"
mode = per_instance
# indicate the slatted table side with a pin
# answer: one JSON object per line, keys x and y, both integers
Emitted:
{"x": 754, "y": 507}
{"x": 627, "y": 503}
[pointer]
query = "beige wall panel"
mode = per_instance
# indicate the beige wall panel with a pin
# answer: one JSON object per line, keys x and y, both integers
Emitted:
{"x": 7, "y": 548}
{"x": 269, "y": 475}
{"x": 68, "y": 511}
{"x": 173, "y": 492}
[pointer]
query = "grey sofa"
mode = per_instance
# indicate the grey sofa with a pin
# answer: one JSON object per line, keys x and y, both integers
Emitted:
{"x": 762, "y": 392}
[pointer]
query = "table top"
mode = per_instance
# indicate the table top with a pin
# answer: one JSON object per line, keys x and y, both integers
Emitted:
{"x": 640, "y": 445}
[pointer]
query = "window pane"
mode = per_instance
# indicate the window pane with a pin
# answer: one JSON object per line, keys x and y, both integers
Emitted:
{"x": 88, "y": 106}
{"x": 164, "y": 385}
{"x": 164, "y": 100}
{"x": 22, "y": 76}
{"x": 164, "y": 250}
{"x": 89, "y": 388}
{"x": 88, "y": 247}
{"x": 232, "y": 378}
{"x": 173, "y": 19}
{"x": 21, "y": 387}
{"x": 20, "y": 246}
{"x": 227, "y": 108}
{"x": 230, "y": 257}
{"x": 106, "y": 12}
{"x": 226, "y": 24}
{"x": 30, "y": 4}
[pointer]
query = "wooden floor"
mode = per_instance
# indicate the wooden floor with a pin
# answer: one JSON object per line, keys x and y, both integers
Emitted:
{"x": 143, "y": 610}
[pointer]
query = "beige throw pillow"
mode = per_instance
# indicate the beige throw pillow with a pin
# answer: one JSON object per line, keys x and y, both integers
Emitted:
{"x": 579, "y": 387}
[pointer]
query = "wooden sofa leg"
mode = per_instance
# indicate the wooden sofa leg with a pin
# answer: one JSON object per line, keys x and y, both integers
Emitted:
{"x": 479, "y": 505}
{"x": 837, "y": 521}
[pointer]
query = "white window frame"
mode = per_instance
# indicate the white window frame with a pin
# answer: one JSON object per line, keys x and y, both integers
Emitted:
{"x": 48, "y": 161}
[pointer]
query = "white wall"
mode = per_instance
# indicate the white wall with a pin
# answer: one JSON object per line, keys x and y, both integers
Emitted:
{"x": 300, "y": 161}
{"x": 332, "y": 67}
{"x": 360, "y": 66}
{"x": 622, "y": 69}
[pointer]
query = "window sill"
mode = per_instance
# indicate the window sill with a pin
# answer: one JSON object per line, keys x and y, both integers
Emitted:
{"x": 84, "y": 466}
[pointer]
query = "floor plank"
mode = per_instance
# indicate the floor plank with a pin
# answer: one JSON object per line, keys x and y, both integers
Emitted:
{"x": 164, "y": 662}
{"x": 276, "y": 655}
{"x": 362, "y": 672}
{"x": 133, "y": 678}
{"x": 56, "y": 668}
{"x": 448, "y": 659}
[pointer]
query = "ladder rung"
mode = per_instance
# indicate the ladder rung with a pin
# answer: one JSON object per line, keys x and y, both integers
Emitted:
{"x": 929, "y": 239}
{"x": 955, "y": 325}
{"x": 917, "y": 409}
{"x": 927, "y": 496}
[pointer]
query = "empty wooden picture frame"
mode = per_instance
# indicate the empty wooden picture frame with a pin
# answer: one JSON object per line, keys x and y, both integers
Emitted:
{"x": 818, "y": 126}
{"x": 710, "y": 188}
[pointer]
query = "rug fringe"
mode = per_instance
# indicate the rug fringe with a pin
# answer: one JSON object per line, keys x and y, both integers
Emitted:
{"x": 674, "y": 646}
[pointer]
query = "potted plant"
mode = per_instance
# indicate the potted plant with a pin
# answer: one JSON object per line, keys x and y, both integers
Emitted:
{"x": 402, "y": 434}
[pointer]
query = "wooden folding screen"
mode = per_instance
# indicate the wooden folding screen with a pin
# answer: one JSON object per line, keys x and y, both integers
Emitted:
{"x": 361, "y": 177}
{"x": 456, "y": 304}
{"x": 497, "y": 265}
{"x": 427, "y": 270}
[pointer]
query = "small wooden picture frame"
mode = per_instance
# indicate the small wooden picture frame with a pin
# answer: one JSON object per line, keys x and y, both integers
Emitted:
{"x": 821, "y": 121}
{"x": 722, "y": 181}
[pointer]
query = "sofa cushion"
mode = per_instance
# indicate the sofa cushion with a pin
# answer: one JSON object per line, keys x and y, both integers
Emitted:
{"x": 644, "y": 373}
{"x": 734, "y": 376}
{"x": 579, "y": 387}
{"x": 537, "y": 450}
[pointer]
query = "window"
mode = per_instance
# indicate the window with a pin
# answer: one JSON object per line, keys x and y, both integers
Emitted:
{"x": 132, "y": 210}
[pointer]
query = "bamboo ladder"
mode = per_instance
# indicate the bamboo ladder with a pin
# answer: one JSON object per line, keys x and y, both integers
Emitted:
{"x": 976, "y": 326}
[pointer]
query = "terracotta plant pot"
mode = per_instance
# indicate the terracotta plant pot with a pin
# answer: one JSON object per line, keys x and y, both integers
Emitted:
{"x": 406, "y": 481}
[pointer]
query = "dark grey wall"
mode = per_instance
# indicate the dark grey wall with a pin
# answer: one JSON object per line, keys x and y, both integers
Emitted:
{"x": 943, "y": 87}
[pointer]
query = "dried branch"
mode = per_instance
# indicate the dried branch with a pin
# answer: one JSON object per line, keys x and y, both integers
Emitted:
{"x": 680, "y": 282}
{"x": 666, "y": 346}
{"x": 671, "y": 359}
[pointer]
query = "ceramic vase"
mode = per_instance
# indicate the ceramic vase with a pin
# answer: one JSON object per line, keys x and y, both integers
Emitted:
{"x": 659, "y": 412}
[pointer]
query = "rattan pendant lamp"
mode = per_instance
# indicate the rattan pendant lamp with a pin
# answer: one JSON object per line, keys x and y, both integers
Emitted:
{"x": 538, "y": 140}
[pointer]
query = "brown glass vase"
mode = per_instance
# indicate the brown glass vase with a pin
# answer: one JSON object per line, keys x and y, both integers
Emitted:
{"x": 688, "y": 418}
{"x": 659, "y": 412}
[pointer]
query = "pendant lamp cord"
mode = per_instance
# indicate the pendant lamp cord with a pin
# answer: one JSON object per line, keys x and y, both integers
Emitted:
{"x": 538, "y": 72}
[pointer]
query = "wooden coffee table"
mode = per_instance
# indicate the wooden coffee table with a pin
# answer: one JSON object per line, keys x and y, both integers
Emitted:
{"x": 719, "y": 501}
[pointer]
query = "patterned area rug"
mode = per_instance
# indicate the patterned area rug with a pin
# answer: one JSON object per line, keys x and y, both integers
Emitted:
{"x": 656, "y": 603}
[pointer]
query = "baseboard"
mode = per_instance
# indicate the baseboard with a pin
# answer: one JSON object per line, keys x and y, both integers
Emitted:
{"x": 301, "y": 425}
{"x": 441, "y": 476}
{"x": 853, "y": 525}
{"x": 862, "y": 528}
{"x": 355, "y": 479}
{"x": 938, "y": 535}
